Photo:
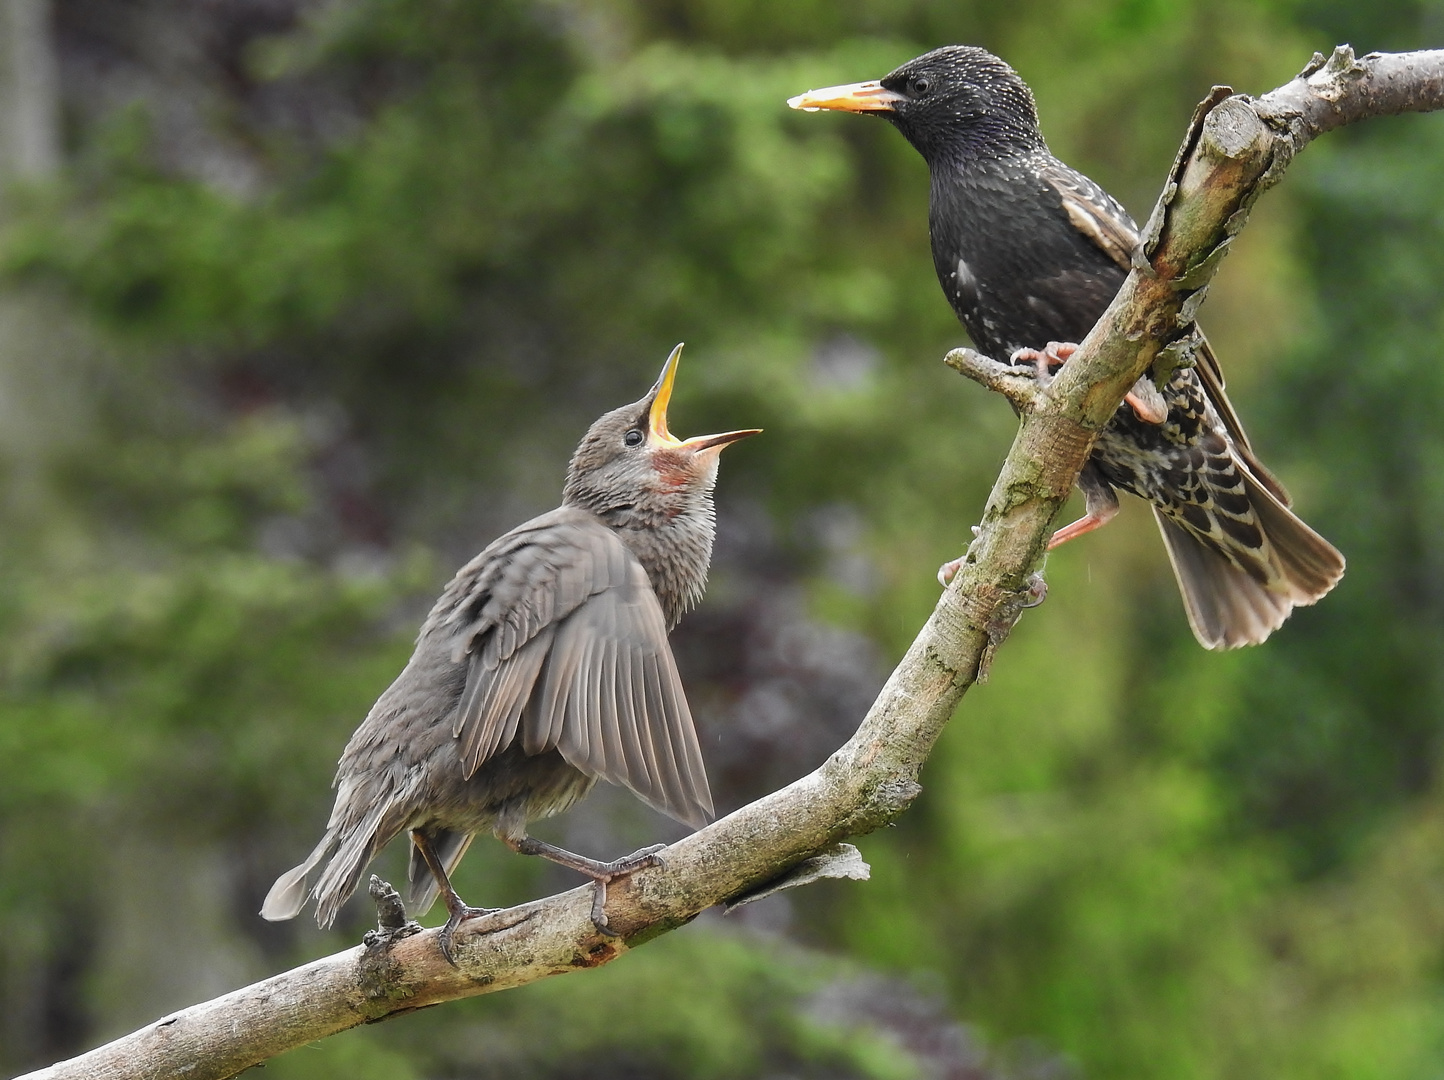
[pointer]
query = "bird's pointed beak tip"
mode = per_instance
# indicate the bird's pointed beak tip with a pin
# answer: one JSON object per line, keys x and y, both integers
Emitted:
{"x": 662, "y": 397}
{"x": 853, "y": 97}
{"x": 699, "y": 443}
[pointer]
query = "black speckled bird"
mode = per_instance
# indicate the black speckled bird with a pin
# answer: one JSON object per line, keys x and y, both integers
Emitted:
{"x": 543, "y": 668}
{"x": 1030, "y": 253}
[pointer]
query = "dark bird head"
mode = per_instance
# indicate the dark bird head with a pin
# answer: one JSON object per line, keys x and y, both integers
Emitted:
{"x": 957, "y": 101}
{"x": 631, "y": 470}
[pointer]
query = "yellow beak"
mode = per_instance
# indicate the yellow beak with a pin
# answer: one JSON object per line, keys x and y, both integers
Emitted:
{"x": 854, "y": 97}
{"x": 657, "y": 415}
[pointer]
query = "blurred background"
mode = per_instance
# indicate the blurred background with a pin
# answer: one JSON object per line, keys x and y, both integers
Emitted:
{"x": 302, "y": 303}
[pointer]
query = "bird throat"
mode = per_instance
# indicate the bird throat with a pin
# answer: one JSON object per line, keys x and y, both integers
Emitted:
{"x": 672, "y": 539}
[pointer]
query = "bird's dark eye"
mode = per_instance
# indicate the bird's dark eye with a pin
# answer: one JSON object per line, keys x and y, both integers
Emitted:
{"x": 634, "y": 437}
{"x": 920, "y": 85}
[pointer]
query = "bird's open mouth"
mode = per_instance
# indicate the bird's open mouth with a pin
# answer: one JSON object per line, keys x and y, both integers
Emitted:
{"x": 657, "y": 415}
{"x": 854, "y": 97}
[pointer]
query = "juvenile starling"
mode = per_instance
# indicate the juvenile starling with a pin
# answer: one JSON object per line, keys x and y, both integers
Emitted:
{"x": 1029, "y": 253}
{"x": 543, "y": 667}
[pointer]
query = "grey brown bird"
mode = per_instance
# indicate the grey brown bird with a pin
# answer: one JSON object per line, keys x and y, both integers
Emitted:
{"x": 1029, "y": 253}
{"x": 543, "y": 668}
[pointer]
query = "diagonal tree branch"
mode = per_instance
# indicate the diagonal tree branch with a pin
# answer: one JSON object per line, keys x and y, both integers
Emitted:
{"x": 1236, "y": 147}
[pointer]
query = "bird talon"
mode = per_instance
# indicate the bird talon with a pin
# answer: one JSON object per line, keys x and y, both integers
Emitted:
{"x": 948, "y": 569}
{"x": 599, "y": 909}
{"x": 637, "y": 860}
{"x": 1045, "y": 361}
{"x": 458, "y": 916}
{"x": 1148, "y": 404}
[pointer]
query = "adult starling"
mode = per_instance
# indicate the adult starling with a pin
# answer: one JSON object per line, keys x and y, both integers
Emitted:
{"x": 543, "y": 667}
{"x": 1030, "y": 253}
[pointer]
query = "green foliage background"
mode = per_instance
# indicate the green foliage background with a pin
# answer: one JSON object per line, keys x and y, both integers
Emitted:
{"x": 249, "y": 422}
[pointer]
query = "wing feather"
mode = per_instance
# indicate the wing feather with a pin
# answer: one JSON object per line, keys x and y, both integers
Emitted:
{"x": 566, "y": 649}
{"x": 632, "y": 738}
{"x": 1103, "y": 220}
{"x": 499, "y": 617}
{"x": 687, "y": 752}
{"x": 500, "y": 694}
{"x": 625, "y": 719}
{"x": 1094, "y": 213}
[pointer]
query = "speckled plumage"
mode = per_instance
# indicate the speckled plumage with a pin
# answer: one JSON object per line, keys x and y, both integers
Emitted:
{"x": 1028, "y": 252}
{"x": 543, "y": 667}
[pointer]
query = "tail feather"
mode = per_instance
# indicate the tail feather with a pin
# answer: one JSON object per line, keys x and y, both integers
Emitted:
{"x": 354, "y": 853}
{"x": 1227, "y": 607}
{"x": 1241, "y": 598}
{"x": 288, "y": 895}
{"x": 347, "y": 852}
{"x": 1309, "y": 563}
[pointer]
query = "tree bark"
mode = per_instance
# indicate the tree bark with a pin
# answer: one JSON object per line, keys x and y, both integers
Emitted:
{"x": 1234, "y": 149}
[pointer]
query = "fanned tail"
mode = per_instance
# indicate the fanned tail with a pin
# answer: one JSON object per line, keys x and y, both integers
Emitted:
{"x": 1238, "y": 593}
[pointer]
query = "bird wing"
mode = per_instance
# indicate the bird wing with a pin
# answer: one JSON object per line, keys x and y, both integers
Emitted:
{"x": 1094, "y": 213}
{"x": 1103, "y": 220}
{"x": 611, "y": 701}
{"x": 566, "y": 648}
{"x": 1211, "y": 375}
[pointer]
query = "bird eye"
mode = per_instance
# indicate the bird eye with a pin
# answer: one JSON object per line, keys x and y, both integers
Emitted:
{"x": 634, "y": 437}
{"x": 921, "y": 85}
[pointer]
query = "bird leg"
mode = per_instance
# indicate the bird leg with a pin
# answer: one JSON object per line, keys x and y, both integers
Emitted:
{"x": 601, "y": 873}
{"x": 1147, "y": 403}
{"x": 457, "y": 909}
{"x": 1100, "y": 505}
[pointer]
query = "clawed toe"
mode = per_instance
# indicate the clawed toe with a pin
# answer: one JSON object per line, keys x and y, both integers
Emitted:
{"x": 458, "y": 916}
{"x": 1148, "y": 404}
{"x": 1045, "y": 360}
{"x": 948, "y": 569}
{"x": 638, "y": 860}
{"x": 599, "y": 909}
{"x": 629, "y": 864}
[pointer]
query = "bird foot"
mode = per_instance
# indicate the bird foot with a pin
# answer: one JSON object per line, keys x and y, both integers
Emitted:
{"x": 637, "y": 860}
{"x": 1148, "y": 404}
{"x": 628, "y": 864}
{"x": 459, "y": 915}
{"x": 601, "y": 873}
{"x": 1046, "y": 360}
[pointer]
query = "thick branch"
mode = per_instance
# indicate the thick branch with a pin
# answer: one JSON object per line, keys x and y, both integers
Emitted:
{"x": 1235, "y": 147}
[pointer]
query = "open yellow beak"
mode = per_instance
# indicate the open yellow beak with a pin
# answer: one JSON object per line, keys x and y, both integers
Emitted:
{"x": 657, "y": 415}
{"x": 854, "y": 97}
